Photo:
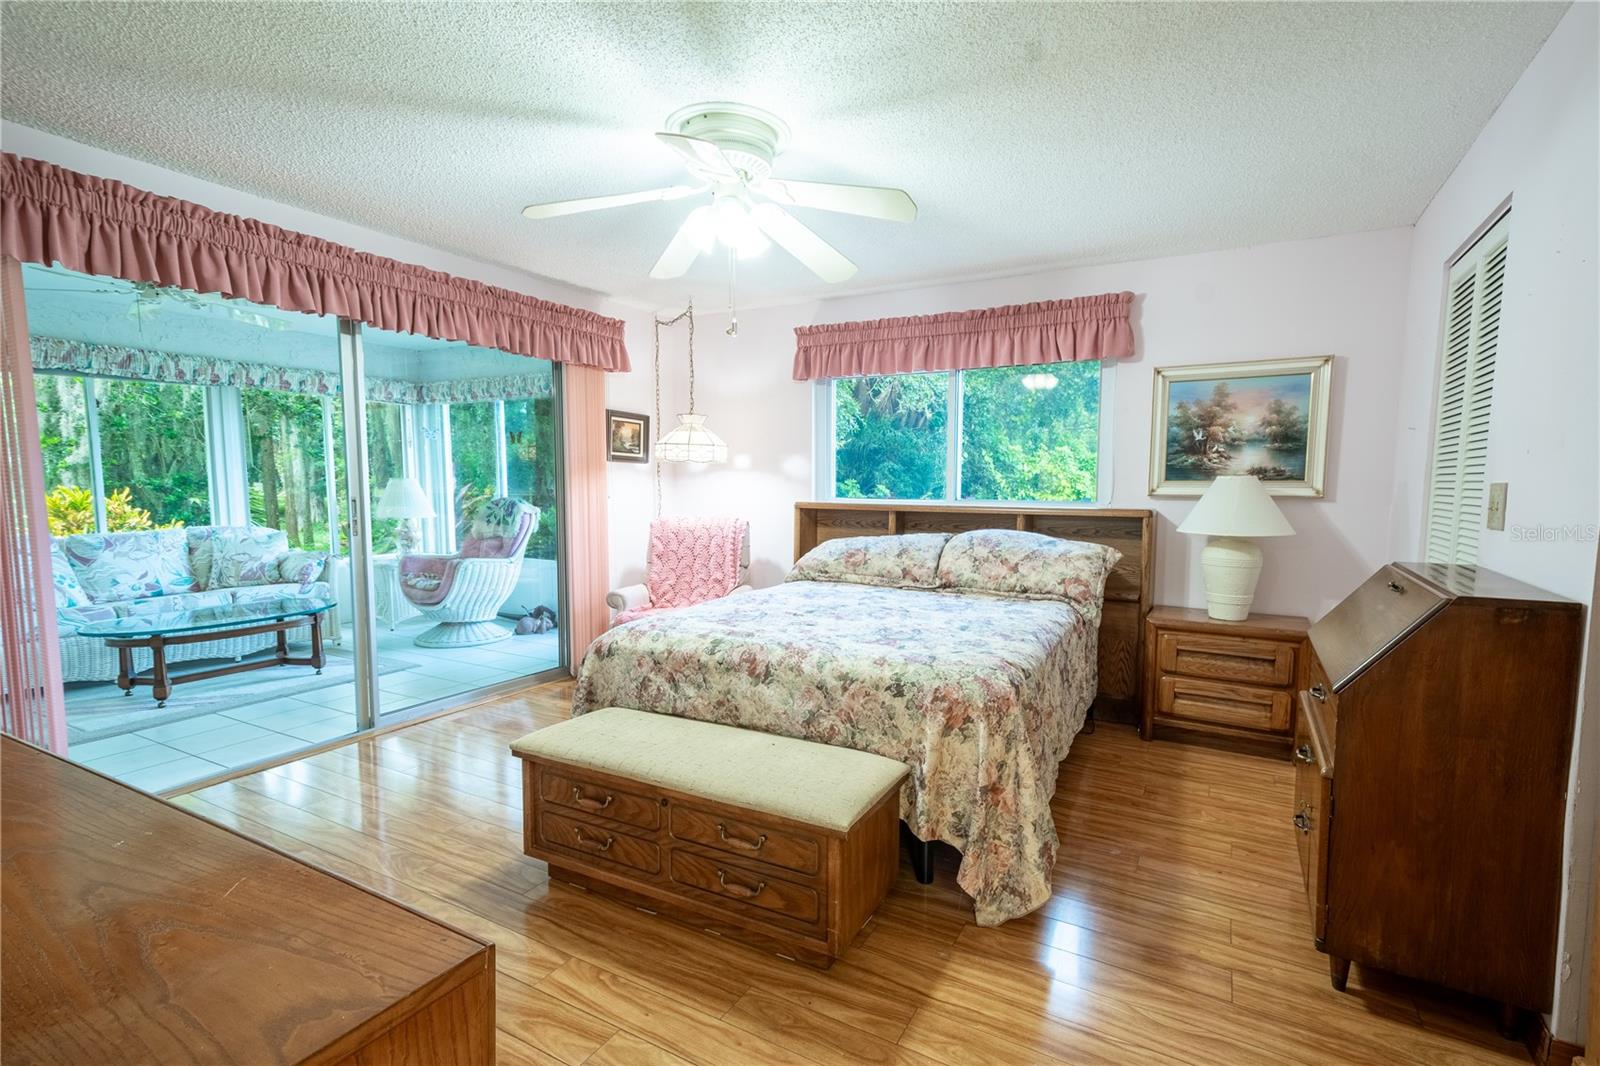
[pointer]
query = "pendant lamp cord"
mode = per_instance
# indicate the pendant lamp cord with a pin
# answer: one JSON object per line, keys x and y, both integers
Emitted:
{"x": 655, "y": 457}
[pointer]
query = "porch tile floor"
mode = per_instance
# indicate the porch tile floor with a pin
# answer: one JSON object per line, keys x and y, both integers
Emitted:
{"x": 166, "y": 756}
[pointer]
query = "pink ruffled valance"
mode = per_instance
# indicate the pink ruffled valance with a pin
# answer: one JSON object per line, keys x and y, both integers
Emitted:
{"x": 1054, "y": 331}
{"x": 49, "y": 215}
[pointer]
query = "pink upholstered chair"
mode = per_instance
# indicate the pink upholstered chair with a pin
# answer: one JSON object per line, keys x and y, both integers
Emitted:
{"x": 463, "y": 592}
{"x": 692, "y": 560}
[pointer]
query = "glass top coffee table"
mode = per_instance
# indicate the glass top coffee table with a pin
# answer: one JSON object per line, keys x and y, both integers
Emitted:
{"x": 157, "y": 632}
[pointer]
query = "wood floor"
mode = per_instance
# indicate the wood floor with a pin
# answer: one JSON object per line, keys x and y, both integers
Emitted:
{"x": 1177, "y": 933}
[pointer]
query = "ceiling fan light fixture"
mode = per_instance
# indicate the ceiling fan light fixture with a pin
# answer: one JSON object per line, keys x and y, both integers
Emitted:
{"x": 691, "y": 442}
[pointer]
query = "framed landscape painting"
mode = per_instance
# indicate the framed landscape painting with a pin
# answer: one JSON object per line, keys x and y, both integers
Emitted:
{"x": 627, "y": 437}
{"x": 1268, "y": 419}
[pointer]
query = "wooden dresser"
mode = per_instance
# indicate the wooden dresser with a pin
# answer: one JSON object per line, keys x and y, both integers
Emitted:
{"x": 1432, "y": 751}
{"x": 1230, "y": 679}
{"x": 135, "y": 932}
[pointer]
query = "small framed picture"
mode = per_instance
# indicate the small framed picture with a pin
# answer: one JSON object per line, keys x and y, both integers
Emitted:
{"x": 1268, "y": 419}
{"x": 627, "y": 437}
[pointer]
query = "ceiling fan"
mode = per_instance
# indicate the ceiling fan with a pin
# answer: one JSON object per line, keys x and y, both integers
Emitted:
{"x": 728, "y": 149}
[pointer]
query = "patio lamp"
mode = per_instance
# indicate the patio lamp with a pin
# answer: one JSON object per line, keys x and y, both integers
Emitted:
{"x": 404, "y": 499}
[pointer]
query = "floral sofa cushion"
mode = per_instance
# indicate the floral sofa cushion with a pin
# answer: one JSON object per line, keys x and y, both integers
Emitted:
{"x": 71, "y": 619}
{"x": 202, "y": 544}
{"x": 302, "y": 568}
{"x": 187, "y": 601}
{"x": 905, "y": 560}
{"x": 1030, "y": 565}
{"x": 242, "y": 557}
{"x": 130, "y": 566}
{"x": 69, "y": 593}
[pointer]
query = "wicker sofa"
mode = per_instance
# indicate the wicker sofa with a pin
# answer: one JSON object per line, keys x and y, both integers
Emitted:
{"x": 105, "y": 575}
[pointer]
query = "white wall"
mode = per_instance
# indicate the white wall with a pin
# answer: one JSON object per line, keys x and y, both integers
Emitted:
{"x": 1343, "y": 296}
{"x": 1539, "y": 150}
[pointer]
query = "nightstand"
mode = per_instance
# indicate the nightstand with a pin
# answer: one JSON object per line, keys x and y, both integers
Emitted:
{"x": 1228, "y": 679}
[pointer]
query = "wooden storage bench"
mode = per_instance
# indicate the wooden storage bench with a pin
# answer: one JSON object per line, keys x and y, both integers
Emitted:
{"x": 785, "y": 843}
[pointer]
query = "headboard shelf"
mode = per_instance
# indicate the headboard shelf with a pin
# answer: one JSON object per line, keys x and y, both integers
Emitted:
{"x": 1128, "y": 591}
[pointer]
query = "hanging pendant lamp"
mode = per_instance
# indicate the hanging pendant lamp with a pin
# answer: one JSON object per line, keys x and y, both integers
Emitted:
{"x": 690, "y": 441}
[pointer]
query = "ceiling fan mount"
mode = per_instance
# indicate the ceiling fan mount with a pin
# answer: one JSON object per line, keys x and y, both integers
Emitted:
{"x": 749, "y": 137}
{"x": 728, "y": 149}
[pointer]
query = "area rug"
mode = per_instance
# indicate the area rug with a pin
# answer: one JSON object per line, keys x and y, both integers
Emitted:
{"x": 95, "y": 712}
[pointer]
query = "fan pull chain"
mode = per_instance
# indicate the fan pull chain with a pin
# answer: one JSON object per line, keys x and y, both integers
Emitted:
{"x": 733, "y": 276}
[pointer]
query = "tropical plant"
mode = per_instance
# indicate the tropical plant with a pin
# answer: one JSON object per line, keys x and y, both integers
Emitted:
{"x": 70, "y": 509}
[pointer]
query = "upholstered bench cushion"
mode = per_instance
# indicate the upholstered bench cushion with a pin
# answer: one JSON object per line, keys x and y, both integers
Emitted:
{"x": 813, "y": 783}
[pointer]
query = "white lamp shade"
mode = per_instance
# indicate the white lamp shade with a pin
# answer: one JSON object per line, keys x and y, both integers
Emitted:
{"x": 1237, "y": 507}
{"x": 404, "y": 498}
{"x": 691, "y": 442}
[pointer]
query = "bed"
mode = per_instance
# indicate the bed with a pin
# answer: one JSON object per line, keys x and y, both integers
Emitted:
{"x": 980, "y": 694}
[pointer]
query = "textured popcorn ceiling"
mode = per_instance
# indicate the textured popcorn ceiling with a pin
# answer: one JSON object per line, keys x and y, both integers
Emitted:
{"x": 1028, "y": 134}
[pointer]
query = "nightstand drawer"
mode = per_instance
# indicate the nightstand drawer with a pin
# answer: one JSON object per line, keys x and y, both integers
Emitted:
{"x": 1186, "y": 699}
{"x": 1226, "y": 657}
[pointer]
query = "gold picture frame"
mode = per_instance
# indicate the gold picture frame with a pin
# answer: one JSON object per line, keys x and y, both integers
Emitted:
{"x": 1268, "y": 417}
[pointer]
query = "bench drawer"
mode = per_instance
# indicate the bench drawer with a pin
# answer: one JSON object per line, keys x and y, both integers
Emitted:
{"x": 570, "y": 789}
{"x": 748, "y": 839}
{"x": 599, "y": 844}
{"x": 1214, "y": 703}
{"x": 1227, "y": 657}
{"x": 745, "y": 887}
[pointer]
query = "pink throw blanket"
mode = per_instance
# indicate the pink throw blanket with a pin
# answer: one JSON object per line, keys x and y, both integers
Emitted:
{"x": 692, "y": 560}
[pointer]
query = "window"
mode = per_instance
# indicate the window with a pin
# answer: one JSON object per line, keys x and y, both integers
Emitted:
{"x": 1471, "y": 335}
{"x": 1006, "y": 434}
{"x": 122, "y": 455}
{"x": 478, "y": 457}
{"x": 289, "y": 467}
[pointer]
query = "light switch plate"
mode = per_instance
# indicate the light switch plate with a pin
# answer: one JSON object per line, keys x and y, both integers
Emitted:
{"x": 1496, "y": 516}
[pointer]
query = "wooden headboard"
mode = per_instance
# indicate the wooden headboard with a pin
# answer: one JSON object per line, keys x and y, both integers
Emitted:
{"x": 1128, "y": 591}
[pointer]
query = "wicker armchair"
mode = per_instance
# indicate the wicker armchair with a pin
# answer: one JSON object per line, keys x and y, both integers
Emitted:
{"x": 463, "y": 592}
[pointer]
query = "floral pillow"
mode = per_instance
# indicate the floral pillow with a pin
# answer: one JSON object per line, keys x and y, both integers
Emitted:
{"x": 301, "y": 568}
{"x": 69, "y": 593}
{"x": 202, "y": 542}
{"x": 244, "y": 557}
{"x": 1030, "y": 565}
{"x": 130, "y": 566}
{"x": 905, "y": 560}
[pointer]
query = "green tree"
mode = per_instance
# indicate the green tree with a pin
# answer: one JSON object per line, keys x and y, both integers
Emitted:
{"x": 1031, "y": 433}
{"x": 889, "y": 436}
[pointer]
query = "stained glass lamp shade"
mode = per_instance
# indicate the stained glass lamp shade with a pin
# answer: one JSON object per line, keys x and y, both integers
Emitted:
{"x": 691, "y": 442}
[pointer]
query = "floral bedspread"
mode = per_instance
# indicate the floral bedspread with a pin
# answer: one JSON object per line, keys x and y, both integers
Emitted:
{"x": 980, "y": 695}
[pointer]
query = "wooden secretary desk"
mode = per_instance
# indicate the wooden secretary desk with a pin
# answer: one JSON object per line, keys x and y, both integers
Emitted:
{"x": 1432, "y": 751}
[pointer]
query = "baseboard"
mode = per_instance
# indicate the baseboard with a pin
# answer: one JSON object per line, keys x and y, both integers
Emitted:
{"x": 1545, "y": 1049}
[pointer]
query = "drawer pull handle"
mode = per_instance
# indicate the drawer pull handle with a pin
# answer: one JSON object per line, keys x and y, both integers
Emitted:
{"x": 1395, "y": 586}
{"x": 588, "y": 803}
{"x": 1319, "y": 693}
{"x": 740, "y": 842}
{"x": 1303, "y": 754}
{"x": 736, "y": 889}
{"x": 591, "y": 842}
{"x": 1302, "y": 822}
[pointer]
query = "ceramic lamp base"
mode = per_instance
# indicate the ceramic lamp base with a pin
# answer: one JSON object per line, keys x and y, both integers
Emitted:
{"x": 1231, "y": 567}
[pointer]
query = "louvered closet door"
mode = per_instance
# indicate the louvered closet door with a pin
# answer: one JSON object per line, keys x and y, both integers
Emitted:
{"x": 1457, "y": 489}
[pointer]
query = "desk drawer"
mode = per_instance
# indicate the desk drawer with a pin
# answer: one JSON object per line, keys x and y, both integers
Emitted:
{"x": 1227, "y": 658}
{"x": 570, "y": 788}
{"x": 745, "y": 887}
{"x": 748, "y": 840}
{"x": 1185, "y": 699}
{"x": 599, "y": 844}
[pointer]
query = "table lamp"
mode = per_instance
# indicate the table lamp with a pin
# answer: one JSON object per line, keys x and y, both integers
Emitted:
{"x": 404, "y": 499}
{"x": 1232, "y": 510}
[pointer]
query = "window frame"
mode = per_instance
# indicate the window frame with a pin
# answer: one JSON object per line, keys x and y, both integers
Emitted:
{"x": 825, "y": 470}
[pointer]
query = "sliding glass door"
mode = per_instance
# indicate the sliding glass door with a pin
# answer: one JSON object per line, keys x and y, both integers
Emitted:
{"x": 215, "y": 469}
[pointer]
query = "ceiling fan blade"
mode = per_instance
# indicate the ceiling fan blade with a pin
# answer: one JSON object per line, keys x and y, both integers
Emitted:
{"x": 681, "y": 251}
{"x": 794, "y": 237}
{"x": 703, "y": 156}
{"x": 869, "y": 200}
{"x": 600, "y": 203}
